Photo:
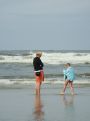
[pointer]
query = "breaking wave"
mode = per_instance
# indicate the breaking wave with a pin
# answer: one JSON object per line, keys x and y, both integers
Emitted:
{"x": 48, "y": 58}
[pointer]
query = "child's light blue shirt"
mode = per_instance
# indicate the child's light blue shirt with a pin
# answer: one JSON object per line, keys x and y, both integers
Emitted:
{"x": 69, "y": 73}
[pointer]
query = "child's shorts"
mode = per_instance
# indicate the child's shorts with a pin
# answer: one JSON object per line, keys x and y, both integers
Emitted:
{"x": 70, "y": 81}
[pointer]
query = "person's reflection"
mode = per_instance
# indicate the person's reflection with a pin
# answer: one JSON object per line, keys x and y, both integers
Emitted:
{"x": 68, "y": 101}
{"x": 69, "y": 110}
{"x": 38, "y": 112}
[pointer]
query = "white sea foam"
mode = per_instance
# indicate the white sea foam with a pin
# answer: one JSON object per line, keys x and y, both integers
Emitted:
{"x": 29, "y": 82}
{"x": 49, "y": 58}
{"x": 61, "y": 58}
{"x": 16, "y": 81}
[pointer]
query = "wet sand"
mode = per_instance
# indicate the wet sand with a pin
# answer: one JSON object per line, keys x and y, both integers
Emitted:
{"x": 23, "y": 105}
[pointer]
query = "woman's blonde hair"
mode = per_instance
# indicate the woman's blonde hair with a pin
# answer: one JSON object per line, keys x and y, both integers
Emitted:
{"x": 38, "y": 53}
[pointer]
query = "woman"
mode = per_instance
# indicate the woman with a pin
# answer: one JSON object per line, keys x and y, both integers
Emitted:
{"x": 38, "y": 69}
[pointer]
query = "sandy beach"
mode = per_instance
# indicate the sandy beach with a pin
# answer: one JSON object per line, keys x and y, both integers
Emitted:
{"x": 21, "y": 104}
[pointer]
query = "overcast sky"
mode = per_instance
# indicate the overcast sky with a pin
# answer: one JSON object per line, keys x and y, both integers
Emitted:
{"x": 45, "y": 24}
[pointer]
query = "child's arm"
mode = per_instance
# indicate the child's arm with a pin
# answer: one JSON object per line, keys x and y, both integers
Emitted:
{"x": 64, "y": 72}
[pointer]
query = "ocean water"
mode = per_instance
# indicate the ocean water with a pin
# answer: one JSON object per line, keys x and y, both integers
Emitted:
{"x": 16, "y": 66}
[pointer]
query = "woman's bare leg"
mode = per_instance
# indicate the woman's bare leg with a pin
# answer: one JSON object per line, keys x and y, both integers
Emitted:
{"x": 38, "y": 88}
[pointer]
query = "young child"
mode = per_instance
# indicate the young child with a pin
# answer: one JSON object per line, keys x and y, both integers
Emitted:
{"x": 69, "y": 76}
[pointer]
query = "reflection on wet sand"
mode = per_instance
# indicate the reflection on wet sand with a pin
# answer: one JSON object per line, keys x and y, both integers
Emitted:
{"x": 69, "y": 110}
{"x": 68, "y": 100}
{"x": 38, "y": 110}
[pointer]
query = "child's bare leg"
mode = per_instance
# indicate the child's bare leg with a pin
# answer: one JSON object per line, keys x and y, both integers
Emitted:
{"x": 64, "y": 88}
{"x": 71, "y": 87}
{"x": 65, "y": 85}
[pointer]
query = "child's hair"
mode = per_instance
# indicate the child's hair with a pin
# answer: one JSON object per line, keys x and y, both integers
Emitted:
{"x": 68, "y": 64}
